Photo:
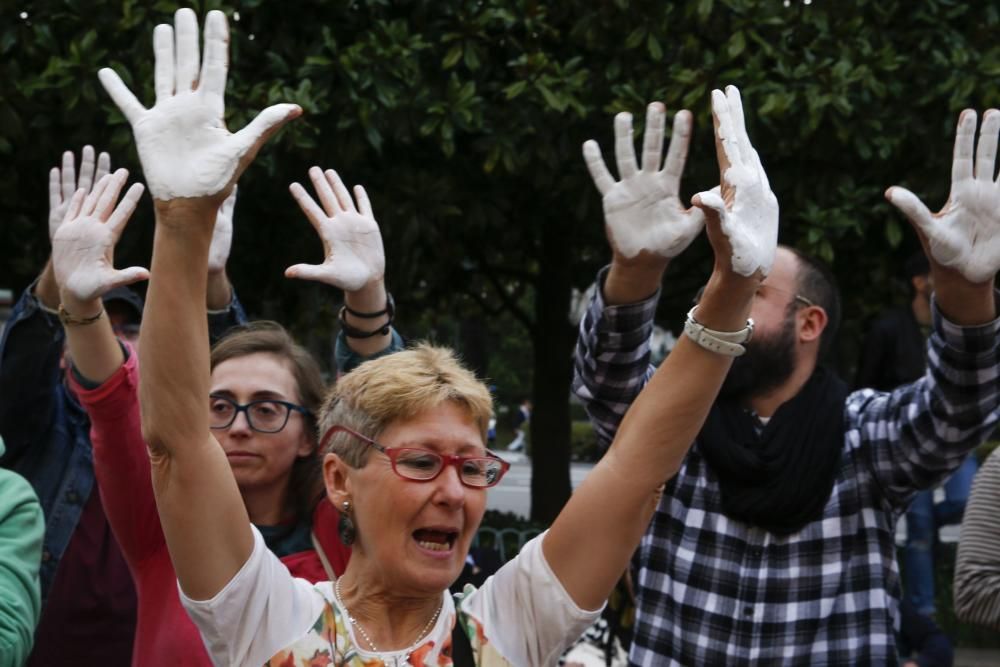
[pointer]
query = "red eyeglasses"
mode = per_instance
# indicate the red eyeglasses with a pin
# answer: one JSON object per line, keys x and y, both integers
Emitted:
{"x": 423, "y": 465}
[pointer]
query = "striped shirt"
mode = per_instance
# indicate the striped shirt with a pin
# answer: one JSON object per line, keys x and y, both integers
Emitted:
{"x": 713, "y": 590}
{"x": 977, "y": 572}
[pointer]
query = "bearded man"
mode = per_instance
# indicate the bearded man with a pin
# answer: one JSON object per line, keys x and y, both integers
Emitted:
{"x": 774, "y": 543}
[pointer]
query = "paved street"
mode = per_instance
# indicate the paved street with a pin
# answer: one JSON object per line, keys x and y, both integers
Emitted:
{"x": 513, "y": 494}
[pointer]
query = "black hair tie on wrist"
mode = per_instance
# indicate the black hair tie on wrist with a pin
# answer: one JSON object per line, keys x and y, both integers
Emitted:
{"x": 390, "y": 309}
{"x": 354, "y": 332}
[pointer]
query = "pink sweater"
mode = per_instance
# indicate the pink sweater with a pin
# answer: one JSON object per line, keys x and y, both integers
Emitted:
{"x": 164, "y": 633}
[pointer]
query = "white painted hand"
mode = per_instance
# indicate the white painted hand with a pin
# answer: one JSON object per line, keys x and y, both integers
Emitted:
{"x": 183, "y": 143}
{"x": 744, "y": 203}
{"x": 352, "y": 243}
{"x": 643, "y": 210}
{"x": 965, "y": 234}
{"x": 83, "y": 246}
{"x": 222, "y": 235}
{"x": 63, "y": 182}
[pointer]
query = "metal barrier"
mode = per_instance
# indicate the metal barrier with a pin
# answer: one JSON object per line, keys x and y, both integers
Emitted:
{"x": 501, "y": 536}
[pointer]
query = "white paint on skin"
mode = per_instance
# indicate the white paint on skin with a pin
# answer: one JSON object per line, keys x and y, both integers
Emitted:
{"x": 85, "y": 241}
{"x": 222, "y": 234}
{"x": 352, "y": 242}
{"x": 750, "y": 220}
{"x": 643, "y": 211}
{"x": 183, "y": 143}
{"x": 965, "y": 234}
{"x": 182, "y": 129}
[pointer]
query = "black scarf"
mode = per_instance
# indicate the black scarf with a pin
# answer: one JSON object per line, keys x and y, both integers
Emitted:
{"x": 781, "y": 478}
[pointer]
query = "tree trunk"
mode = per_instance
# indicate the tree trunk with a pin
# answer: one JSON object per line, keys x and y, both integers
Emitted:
{"x": 553, "y": 339}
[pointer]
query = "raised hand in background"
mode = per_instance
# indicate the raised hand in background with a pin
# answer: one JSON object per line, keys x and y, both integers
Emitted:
{"x": 965, "y": 234}
{"x": 643, "y": 212}
{"x": 63, "y": 182}
{"x": 83, "y": 246}
{"x": 352, "y": 245}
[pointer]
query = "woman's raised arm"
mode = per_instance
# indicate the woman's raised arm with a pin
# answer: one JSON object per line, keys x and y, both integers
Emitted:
{"x": 191, "y": 163}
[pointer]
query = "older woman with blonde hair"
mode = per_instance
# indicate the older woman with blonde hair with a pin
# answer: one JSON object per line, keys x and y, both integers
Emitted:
{"x": 406, "y": 461}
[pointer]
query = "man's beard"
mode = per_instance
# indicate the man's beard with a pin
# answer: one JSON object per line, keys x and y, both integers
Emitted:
{"x": 767, "y": 363}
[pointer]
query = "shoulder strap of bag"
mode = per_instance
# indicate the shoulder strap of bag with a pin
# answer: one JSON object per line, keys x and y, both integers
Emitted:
{"x": 461, "y": 648}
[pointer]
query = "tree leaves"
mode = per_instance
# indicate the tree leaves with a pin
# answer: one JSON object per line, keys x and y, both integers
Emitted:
{"x": 464, "y": 121}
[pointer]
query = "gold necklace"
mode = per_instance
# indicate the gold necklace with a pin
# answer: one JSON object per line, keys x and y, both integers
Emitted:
{"x": 353, "y": 621}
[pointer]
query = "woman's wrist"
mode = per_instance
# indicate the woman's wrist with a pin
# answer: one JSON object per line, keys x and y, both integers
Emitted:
{"x": 47, "y": 289}
{"x": 187, "y": 213}
{"x": 82, "y": 309}
{"x": 371, "y": 298}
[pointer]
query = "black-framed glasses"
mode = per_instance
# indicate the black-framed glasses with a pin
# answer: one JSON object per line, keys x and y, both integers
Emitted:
{"x": 267, "y": 415}
{"x": 423, "y": 465}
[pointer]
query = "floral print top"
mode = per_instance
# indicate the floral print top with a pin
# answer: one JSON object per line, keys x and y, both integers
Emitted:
{"x": 520, "y": 616}
{"x": 331, "y": 641}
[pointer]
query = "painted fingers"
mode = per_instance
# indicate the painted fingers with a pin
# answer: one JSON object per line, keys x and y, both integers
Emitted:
{"x": 352, "y": 243}
{"x": 183, "y": 145}
{"x": 83, "y": 247}
{"x": 965, "y": 233}
{"x": 642, "y": 210}
{"x": 742, "y": 213}
{"x": 123, "y": 98}
{"x": 63, "y": 182}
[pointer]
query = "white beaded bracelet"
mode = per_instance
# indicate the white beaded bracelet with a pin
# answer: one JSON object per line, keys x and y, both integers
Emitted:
{"x": 728, "y": 343}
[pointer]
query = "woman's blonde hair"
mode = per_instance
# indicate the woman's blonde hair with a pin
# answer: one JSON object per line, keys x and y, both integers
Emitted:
{"x": 399, "y": 386}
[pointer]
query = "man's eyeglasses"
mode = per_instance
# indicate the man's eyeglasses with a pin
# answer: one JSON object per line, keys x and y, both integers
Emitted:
{"x": 264, "y": 416}
{"x": 423, "y": 465}
{"x": 805, "y": 301}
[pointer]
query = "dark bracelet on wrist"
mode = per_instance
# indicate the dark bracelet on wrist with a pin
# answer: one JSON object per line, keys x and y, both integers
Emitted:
{"x": 353, "y": 332}
{"x": 73, "y": 321}
{"x": 390, "y": 309}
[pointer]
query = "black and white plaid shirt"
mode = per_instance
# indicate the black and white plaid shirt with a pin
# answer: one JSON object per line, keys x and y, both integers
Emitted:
{"x": 716, "y": 591}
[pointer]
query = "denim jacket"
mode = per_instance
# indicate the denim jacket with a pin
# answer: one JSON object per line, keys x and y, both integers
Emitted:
{"x": 46, "y": 431}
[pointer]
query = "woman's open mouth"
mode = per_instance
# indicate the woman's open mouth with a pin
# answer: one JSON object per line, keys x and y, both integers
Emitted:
{"x": 434, "y": 539}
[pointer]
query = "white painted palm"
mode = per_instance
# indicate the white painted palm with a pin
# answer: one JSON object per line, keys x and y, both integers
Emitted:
{"x": 183, "y": 143}
{"x": 964, "y": 234}
{"x": 83, "y": 246}
{"x": 744, "y": 202}
{"x": 643, "y": 210}
{"x": 352, "y": 244}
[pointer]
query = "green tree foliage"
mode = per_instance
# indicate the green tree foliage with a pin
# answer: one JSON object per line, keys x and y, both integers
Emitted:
{"x": 464, "y": 120}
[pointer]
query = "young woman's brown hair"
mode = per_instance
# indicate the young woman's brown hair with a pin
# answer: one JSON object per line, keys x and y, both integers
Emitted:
{"x": 269, "y": 337}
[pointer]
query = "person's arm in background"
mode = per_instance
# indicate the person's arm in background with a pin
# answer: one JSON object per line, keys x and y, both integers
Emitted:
{"x": 32, "y": 346}
{"x": 921, "y": 432}
{"x": 21, "y": 529}
{"x": 104, "y": 371}
{"x": 977, "y": 569}
{"x": 82, "y": 256}
{"x": 224, "y": 308}
{"x": 354, "y": 261}
{"x": 646, "y": 224}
